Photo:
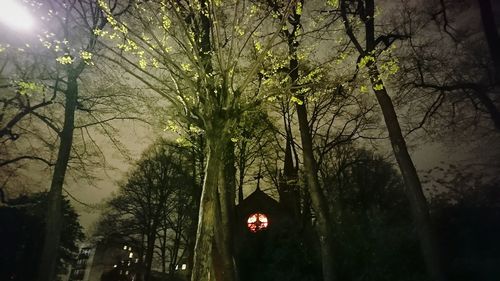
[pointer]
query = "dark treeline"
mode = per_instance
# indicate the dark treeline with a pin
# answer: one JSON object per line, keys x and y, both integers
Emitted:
{"x": 22, "y": 230}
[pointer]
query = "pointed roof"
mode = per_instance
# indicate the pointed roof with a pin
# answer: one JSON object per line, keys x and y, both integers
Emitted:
{"x": 258, "y": 201}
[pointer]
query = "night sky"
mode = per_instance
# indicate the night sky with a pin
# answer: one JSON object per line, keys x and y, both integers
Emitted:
{"x": 457, "y": 148}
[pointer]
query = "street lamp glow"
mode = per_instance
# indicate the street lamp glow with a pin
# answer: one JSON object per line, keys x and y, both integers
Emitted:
{"x": 15, "y": 15}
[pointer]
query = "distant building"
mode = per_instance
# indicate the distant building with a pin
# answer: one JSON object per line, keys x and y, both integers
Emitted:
{"x": 80, "y": 270}
{"x": 104, "y": 261}
{"x": 115, "y": 262}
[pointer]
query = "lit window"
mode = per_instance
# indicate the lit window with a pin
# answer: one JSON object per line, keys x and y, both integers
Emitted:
{"x": 257, "y": 222}
{"x": 115, "y": 265}
{"x": 126, "y": 272}
{"x": 125, "y": 247}
{"x": 85, "y": 252}
{"x": 177, "y": 267}
{"x": 130, "y": 255}
{"x": 183, "y": 267}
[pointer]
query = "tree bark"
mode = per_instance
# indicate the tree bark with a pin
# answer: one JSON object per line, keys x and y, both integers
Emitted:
{"x": 413, "y": 188}
{"x": 198, "y": 164}
{"x": 227, "y": 194}
{"x": 53, "y": 222}
{"x": 202, "y": 261}
{"x": 212, "y": 257}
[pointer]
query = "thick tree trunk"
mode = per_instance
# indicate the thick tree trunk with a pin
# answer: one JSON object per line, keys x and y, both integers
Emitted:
{"x": 53, "y": 221}
{"x": 198, "y": 164}
{"x": 227, "y": 194}
{"x": 202, "y": 261}
{"x": 212, "y": 258}
{"x": 413, "y": 188}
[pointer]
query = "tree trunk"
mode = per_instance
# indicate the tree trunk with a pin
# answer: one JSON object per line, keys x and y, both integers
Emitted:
{"x": 227, "y": 194}
{"x": 210, "y": 255}
{"x": 150, "y": 247}
{"x": 198, "y": 164}
{"x": 164, "y": 249}
{"x": 316, "y": 194}
{"x": 175, "y": 251}
{"x": 53, "y": 221}
{"x": 490, "y": 106}
{"x": 202, "y": 261}
{"x": 491, "y": 33}
{"x": 287, "y": 185}
{"x": 318, "y": 199}
{"x": 241, "y": 169}
{"x": 413, "y": 187}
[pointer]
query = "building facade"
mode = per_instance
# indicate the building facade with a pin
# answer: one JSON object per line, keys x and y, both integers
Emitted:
{"x": 105, "y": 262}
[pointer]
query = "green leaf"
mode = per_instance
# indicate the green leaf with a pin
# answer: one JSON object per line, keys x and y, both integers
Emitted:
{"x": 298, "y": 10}
{"x": 297, "y": 100}
{"x": 66, "y": 59}
{"x": 166, "y": 22}
{"x": 29, "y": 88}
{"x": 333, "y": 3}
{"x": 378, "y": 87}
{"x": 365, "y": 60}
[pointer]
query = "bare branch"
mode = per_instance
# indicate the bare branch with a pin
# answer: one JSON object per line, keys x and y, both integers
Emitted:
{"x": 25, "y": 157}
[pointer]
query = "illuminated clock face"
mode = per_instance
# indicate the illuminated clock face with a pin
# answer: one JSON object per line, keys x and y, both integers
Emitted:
{"x": 257, "y": 222}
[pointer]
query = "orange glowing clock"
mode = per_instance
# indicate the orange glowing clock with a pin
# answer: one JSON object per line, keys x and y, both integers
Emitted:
{"x": 257, "y": 222}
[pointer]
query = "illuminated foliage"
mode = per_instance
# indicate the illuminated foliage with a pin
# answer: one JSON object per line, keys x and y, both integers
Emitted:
{"x": 203, "y": 58}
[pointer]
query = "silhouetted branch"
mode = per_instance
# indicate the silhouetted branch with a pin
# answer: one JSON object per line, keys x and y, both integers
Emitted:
{"x": 25, "y": 157}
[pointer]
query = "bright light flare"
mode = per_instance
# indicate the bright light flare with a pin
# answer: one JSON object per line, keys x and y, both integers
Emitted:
{"x": 15, "y": 15}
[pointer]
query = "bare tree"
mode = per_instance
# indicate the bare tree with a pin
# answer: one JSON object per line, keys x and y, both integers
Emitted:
{"x": 453, "y": 85}
{"x": 70, "y": 41}
{"x": 156, "y": 202}
{"x": 369, "y": 58}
